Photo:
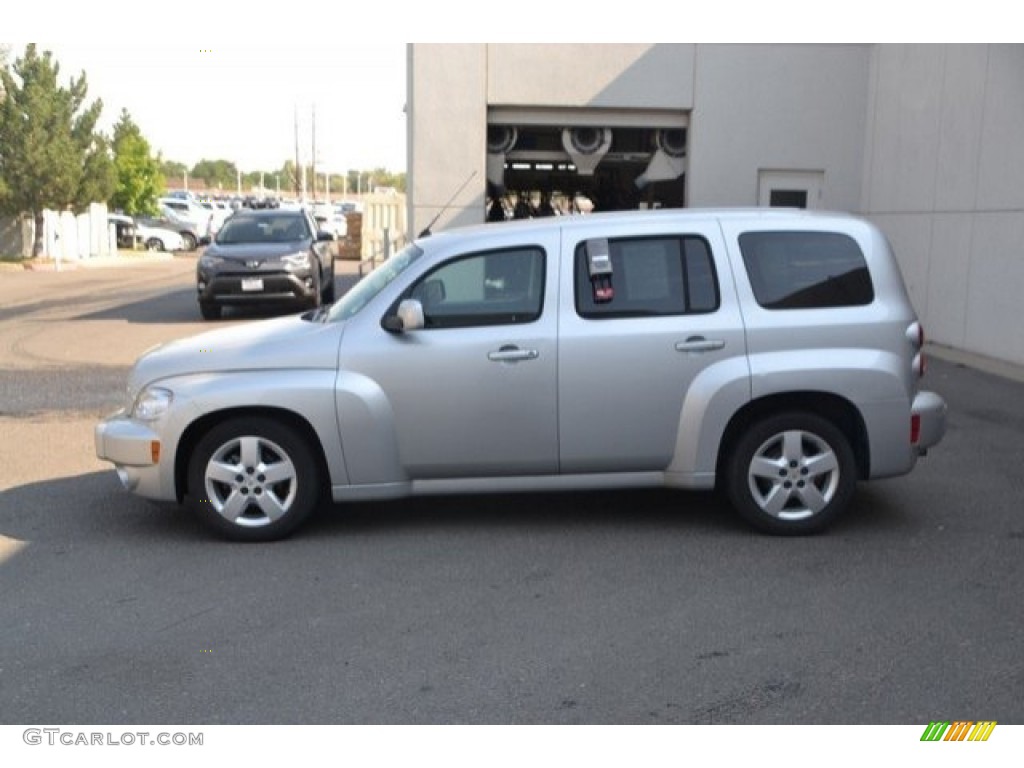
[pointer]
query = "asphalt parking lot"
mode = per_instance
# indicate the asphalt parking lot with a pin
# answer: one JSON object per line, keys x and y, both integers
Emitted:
{"x": 625, "y": 607}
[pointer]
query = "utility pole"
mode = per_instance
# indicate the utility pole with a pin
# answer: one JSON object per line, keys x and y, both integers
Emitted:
{"x": 314, "y": 151}
{"x": 298, "y": 158}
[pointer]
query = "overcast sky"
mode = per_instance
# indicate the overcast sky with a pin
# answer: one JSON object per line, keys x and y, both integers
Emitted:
{"x": 239, "y": 103}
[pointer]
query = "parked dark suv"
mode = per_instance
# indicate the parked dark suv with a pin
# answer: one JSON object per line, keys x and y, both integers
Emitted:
{"x": 266, "y": 256}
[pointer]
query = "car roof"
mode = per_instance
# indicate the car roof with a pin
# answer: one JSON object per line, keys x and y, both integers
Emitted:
{"x": 679, "y": 215}
{"x": 262, "y": 213}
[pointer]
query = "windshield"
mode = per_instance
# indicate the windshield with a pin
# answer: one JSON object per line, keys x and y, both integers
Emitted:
{"x": 284, "y": 228}
{"x": 375, "y": 282}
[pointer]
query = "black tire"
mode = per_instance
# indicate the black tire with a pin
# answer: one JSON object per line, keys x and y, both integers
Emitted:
{"x": 209, "y": 310}
{"x": 253, "y": 479}
{"x": 190, "y": 241}
{"x": 791, "y": 474}
{"x": 328, "y": 292}
{"x": 154, "y": 244}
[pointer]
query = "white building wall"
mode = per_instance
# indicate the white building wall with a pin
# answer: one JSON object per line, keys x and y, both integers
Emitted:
{"x": 623, "y": 76}
{"x": 923, "y": 139}
{"x": 943, "y": 178}
{"x": 446, "y": 114}
{"x": 777, "y": 108}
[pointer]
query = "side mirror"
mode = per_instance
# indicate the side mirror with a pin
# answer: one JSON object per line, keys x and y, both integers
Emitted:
{"x": 409, "y": 317}
{"x": 323, "y": 236}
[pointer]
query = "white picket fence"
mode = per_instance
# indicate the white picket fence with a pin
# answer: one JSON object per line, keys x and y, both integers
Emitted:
{"x": 66, "y": 236}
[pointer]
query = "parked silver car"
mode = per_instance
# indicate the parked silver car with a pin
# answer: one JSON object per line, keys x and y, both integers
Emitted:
{"x": 774, "y": 354}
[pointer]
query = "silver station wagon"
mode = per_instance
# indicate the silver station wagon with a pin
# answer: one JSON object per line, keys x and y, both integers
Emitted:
{"x": 772, "y": 354}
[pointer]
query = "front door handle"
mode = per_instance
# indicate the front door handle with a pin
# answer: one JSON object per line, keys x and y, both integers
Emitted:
{"x": 512, "y": 354}
{"x": 699, "y": 344}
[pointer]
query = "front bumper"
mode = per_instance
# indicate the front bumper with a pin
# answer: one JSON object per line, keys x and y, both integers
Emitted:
{"x": 275, "y": 286}
{"x": 136, "y": 452}
{"x": 930, "y": 410}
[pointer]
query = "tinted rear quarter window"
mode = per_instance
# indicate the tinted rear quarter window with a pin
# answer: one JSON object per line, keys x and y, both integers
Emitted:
{"x": 806, "y": 270}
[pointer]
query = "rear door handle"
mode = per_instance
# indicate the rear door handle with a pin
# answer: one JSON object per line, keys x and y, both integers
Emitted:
{"x": 699, "y": 344}
{"x": 512, "y": 354}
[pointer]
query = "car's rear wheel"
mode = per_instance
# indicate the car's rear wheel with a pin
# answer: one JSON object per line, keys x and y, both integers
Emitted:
{"x": 209, "y": 310}
{"x": 189, "y": 240}
{"x": 253, "y": 479}
{"x": 793, "y": 473}
{"x": 154, "y": 244}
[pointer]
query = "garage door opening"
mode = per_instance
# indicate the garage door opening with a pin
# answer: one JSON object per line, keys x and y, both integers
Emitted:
{"x": 551, "y": 170}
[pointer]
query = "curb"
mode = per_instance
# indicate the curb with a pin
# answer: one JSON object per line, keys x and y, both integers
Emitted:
{"x": 98, "y": 262}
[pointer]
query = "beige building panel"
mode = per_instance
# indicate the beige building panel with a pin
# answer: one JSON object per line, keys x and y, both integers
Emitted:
{"x": 994, "y": 289}
{"x": 948, "y": 277}
{"x": 1001, "y": 164}
{"x": 961, "y": 120}
{"x": 905, "y": 128}
{"x": 779, "y": 108}
{"x": 637, "y": 75}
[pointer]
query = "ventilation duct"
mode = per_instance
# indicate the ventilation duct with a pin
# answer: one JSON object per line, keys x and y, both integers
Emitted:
{"x": 500, "y": 140}
{"x": 668, "y": 161}
{"x": 587, "y": 147}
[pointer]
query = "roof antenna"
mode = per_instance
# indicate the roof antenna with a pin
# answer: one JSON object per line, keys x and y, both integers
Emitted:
{"x": 426, "y": 232}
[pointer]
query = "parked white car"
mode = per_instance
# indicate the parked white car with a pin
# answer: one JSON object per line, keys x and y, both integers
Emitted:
{"x": 191, "y": 211}
{"x": 219, "y": 212}
{"x": 158, "y": 238}
{"x": 144, "y": 233}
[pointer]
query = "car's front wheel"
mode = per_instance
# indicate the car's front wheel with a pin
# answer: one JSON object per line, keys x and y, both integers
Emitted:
{"x": 154, "y": 244}
{"x": 792, "y": 473}
{"x": 190, "y": 241}
{"x": 253, "y": 479}
{"x": 209, "y": 310}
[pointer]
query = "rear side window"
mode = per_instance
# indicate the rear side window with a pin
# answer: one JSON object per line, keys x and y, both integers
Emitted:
{"x": 650, "y": 276}
{"x": 806, "y": 270}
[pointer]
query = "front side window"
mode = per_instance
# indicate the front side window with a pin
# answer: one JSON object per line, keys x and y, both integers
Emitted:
{"x": 806, "y": 270}
{"x": 648, "y": 276}
{"x": 494, "y": 288}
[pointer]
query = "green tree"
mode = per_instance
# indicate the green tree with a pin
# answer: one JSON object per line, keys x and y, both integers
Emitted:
{"x": 172, "y": 169}
{"x": 51, "y": 155}
{"x": 220, "y": 174}
{"x": 139, "y": 180}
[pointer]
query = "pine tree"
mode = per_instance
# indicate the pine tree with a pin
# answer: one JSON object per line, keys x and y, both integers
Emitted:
{"x": 51, "y": 155}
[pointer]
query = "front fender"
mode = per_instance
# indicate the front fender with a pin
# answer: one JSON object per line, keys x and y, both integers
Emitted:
{"x": 305, "y": 393}
{"x": 366, "y": 423}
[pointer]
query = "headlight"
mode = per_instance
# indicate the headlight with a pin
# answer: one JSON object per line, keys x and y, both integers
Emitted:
{"x": 296, "y": 260}
{"x": 152, "y": 403}
{"x": 209, "y": 261}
